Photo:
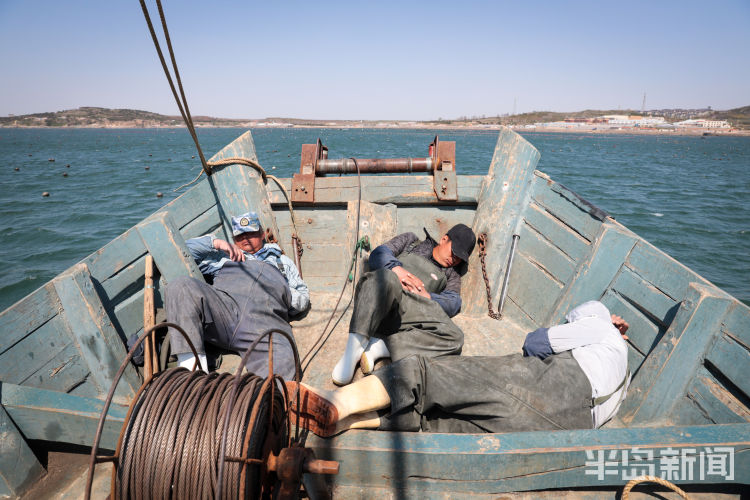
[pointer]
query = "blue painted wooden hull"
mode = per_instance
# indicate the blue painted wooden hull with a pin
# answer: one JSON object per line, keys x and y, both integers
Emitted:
{"x": 61, "y": 345}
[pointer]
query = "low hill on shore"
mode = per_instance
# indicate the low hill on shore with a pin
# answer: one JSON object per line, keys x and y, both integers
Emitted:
{"x": 91, "y": 117}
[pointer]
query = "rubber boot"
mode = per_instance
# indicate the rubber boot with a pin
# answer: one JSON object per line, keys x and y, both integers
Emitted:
{"x": 187, "y": 360}
{"x": 375, "y": 350}
{"x": 344, "y": 369}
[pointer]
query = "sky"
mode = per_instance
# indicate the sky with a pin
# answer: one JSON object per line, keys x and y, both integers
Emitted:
{"x": 377, "y": 60}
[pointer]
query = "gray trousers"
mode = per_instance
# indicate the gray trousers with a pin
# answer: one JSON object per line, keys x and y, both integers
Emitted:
{"x": 486, "y": 394}
{"x": 246, "y": 300}
{"x": 408, "y": 323}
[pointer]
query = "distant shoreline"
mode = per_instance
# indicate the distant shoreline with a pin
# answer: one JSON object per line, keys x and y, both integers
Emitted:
{"x": 521, "y": 129}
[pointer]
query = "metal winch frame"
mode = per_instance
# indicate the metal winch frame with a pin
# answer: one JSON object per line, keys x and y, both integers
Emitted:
{"x": 314, "y": 162}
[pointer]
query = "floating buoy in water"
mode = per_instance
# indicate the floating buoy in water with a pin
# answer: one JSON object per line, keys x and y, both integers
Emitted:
{"x": 16, "y": 169}
{"x": 65, "y": 174}
{"x": 273, "y": 168}
{"x": 45, "y": 194}
{"x": 192, "y": 156}
{"x": 51, "y": 159}
{"x": 159, "y": 194}
{"x": 147, "y": 167}
{"x": 67, "y": 166}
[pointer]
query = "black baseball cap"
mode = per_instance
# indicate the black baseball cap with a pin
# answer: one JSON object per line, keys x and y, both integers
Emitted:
{"x": 462, "y": 241}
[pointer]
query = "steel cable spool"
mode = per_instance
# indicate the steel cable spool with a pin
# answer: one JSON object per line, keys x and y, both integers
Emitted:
{"x": 189, "y": 434}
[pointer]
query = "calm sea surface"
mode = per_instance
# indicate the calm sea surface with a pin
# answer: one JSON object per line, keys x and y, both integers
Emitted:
{"x": 689, "y": 196}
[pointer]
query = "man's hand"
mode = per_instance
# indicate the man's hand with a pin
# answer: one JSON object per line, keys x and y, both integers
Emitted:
{"x": 234, "y": 252}
{"x": 409, "y": 282}
{"x": 621, "y": 325}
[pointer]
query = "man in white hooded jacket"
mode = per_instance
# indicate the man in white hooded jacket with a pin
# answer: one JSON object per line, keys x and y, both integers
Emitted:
{"x": 571, "y": 376}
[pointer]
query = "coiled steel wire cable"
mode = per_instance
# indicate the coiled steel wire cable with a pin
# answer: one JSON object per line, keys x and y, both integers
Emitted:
{"x": 182, "y": 426}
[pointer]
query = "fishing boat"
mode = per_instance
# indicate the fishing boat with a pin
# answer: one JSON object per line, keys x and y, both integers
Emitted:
{"x": 687, "y": 410}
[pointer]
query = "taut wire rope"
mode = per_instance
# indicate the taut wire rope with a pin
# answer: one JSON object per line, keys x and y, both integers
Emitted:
{"x": 323, "y": 338}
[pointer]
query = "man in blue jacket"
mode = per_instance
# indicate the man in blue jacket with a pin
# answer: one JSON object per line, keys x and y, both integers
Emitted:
{"x": 404, "y": 304}
{"x": 254, "y": 288}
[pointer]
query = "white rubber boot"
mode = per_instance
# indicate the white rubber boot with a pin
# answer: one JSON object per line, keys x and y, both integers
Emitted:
{"x": 187, "y": 360}
{"x": 344, "y": 369}
{"x": 374, "y": 351}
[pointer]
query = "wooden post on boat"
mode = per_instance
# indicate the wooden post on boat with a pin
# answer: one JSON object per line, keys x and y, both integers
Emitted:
{"x": 149, "y": 318}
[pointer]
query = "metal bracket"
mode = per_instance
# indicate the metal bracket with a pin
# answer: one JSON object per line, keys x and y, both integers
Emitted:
{"x": 444, "y": 174}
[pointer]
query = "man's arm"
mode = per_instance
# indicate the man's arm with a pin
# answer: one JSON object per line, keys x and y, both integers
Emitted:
{"x": 210, "y": 253}
{"x": 449, "y": 300}
{"x": 298, "y": 288}
{"x": 384, "y": 256}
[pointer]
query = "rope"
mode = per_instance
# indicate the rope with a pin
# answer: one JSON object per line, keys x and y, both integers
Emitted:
{"x": 181, "y": 104}
{"x": 323, "y": 338}
{"x": 652, "y": 479}
{"x": 229, "y": 161}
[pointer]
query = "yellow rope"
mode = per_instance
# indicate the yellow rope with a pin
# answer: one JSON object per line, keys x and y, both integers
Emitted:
{"x": 652, "y": 479}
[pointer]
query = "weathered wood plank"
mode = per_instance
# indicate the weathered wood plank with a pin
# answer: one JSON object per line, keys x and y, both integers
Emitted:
{"x": 667, "y": 371}
{"x": 501, "y": 201}
{"x": 63, "y": 372}
{"x": 643, "y": 333}
{"x": 398, "y": 189}
{"x": 124, "y": 283}
{"x": 27, "y": 315}
{"x": 645, "y": 295}
{"x": 430, "y": 464}
{"x": 19, "y": 468}
{"x": 566, "y": 206}
{"x": 92, "y": 330}
{"x": 737, "y": 323}
{"x": 190, "y": 204}
{"x": 595, "y": 274}
{"x": 437, "y": 220}
{"x": 537, "y": 300}
{"x": 62, "y": 418}
{"x": 558, "y": 234}
{"x": 27, "y": 356}
{"x": 707, "y": 402}
{"x": 165, "y": 243}
{"x": 376, "y": 222}
{"x": 732, "y": 360}
{"x": 129, "y": 314}
{"x": 115, "y": 255}
{"x": 663, "y": 271}
{"x": 208, "y": 222}
{"x": 545, "y": 254}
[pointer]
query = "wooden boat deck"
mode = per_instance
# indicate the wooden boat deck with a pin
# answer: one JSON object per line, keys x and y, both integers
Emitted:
{"x": 688, "y": 351}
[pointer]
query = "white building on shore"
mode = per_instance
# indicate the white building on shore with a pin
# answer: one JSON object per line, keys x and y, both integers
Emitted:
{"x": 700, "y": 123}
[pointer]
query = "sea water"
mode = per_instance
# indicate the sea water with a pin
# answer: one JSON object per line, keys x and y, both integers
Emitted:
{"x": 689, "y": 196}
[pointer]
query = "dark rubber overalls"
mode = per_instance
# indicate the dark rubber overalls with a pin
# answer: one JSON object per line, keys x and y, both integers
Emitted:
{"x": 486, "y": 394}
{"x": 408, "y": 323}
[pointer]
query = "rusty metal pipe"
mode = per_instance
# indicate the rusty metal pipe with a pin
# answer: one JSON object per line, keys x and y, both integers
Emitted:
{"x": 373, "y": 165}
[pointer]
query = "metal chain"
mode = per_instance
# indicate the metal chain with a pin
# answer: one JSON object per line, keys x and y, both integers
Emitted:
{"x": 482, "y": 254}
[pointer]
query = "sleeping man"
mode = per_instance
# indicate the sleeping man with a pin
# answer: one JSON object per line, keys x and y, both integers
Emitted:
{"x": 570, "y": 376}
{"x": 255, "y": 288}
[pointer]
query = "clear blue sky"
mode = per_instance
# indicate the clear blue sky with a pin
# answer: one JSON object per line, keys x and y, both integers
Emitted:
{"x": 378, "y": 59}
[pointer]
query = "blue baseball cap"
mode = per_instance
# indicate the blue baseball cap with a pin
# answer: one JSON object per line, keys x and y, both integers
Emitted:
{"x": 246, "y": 223}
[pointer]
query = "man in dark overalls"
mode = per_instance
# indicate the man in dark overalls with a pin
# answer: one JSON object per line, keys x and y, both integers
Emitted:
{"x": 571, "y": 376}
{"x": 404, "y": 304}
